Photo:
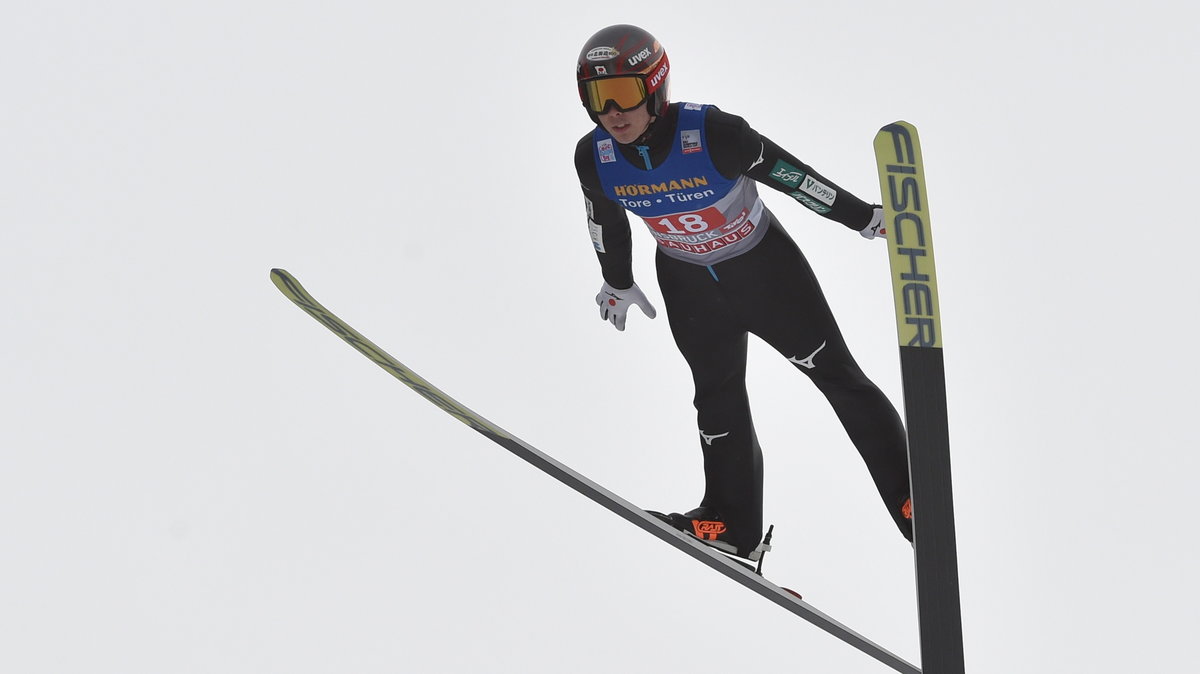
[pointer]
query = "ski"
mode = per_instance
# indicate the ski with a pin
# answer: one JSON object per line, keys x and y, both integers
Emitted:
{"x": 914, "y": 282}
{"x": 690, "y": 546}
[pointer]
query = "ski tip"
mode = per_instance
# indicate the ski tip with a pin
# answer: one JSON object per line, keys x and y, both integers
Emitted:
{"x": 281, "y": 276}
{"x": 793, "y": 593}
{"x": 898, "y": 124}
{"x": 284, "y": 281}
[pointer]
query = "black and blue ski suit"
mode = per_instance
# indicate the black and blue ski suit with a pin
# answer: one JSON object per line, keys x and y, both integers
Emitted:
{"x": 728, "y": 269}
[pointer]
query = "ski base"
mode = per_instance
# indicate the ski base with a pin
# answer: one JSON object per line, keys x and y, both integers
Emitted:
{"x": 685, "y": 543}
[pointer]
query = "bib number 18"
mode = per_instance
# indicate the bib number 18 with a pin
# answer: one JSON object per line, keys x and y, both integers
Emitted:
{"x": 690, "y": 223}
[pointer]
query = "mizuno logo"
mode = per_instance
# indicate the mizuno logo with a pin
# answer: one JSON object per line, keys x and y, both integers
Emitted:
{"x": 807, "y": 363}
{"x": 761, "y": 148}
{"x": 708, "y": 439}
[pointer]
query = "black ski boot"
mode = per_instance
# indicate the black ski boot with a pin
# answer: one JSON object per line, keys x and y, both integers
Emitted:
{"x": 707, "y": 524}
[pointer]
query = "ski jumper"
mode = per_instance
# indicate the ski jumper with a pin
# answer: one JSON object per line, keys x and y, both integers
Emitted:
{"x": 728, "y": 269}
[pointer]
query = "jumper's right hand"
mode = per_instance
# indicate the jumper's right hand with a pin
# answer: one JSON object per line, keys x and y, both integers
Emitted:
{"x": 614, "y": 304}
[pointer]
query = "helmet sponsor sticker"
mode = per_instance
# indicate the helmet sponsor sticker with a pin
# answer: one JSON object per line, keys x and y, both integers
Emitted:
{"x": 608, "y": 153}
{"x": 690, "y": 140}
{"x": 602, "y": 54}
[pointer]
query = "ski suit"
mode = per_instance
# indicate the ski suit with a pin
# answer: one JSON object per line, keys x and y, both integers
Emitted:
{"x": 726, "y": 269}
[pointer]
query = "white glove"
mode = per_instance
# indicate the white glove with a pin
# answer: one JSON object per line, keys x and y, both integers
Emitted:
{"x": 875, "y": 228}
{"x": 614, "y": 304}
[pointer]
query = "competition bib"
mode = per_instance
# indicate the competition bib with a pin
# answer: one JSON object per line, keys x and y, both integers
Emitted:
{"x": 694, "y": 213}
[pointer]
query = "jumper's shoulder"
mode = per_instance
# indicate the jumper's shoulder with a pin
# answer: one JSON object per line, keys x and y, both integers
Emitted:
{"x": 719, "y": 121}
{"x": 583, "y": 152}
{"x": 733, "y": 144}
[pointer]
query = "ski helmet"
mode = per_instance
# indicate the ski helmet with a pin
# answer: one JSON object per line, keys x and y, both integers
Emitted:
{"x": 623, "y": 66}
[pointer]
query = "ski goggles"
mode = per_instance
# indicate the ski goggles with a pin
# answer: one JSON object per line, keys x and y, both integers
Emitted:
{"x": 626, "y": 93}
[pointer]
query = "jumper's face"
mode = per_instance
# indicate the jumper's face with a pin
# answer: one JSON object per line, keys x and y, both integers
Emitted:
{"x": 626, "y": 126}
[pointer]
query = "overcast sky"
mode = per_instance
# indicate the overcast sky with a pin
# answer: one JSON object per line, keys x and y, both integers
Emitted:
{"x": 195, "y": 477}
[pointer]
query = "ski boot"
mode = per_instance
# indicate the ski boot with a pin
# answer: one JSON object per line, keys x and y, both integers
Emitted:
{"x": 706, "y": 524}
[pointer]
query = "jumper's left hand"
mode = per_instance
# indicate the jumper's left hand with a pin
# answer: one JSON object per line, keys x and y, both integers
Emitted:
{"x": 875, "y": 228}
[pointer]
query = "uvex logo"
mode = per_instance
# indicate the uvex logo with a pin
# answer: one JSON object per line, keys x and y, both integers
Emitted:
{"x": 639, "y": 57}
{"x": 659, "y": 75}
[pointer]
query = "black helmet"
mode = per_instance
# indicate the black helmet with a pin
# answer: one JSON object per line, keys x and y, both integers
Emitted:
{"x": 624, "y": 66}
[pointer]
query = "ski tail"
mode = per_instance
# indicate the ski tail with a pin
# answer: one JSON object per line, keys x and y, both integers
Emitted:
{"x": 919, "y": 329}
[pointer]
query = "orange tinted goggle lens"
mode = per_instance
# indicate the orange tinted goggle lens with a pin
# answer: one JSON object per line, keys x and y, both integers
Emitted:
{"x": 625, "y": 92}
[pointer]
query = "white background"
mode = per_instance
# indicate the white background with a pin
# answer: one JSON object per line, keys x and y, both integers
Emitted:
{"x": 196, "y": 477}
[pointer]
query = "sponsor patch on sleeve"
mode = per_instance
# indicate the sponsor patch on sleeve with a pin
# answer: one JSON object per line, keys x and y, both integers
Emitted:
{"x": 811, "y": 203}
{"x": 819, "y": 190}
{"x": 787, "y": 174}
{"x": 597, "y": 231}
